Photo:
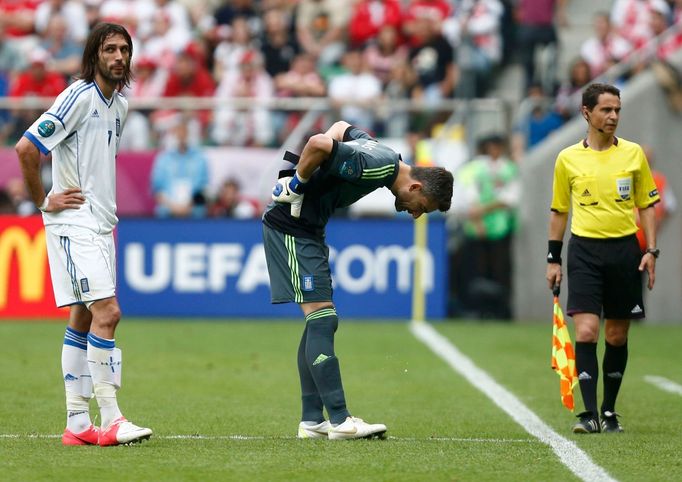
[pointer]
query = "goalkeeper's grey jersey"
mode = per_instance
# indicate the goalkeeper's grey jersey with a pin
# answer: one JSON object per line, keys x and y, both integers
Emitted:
{"x": 354, "y": 169}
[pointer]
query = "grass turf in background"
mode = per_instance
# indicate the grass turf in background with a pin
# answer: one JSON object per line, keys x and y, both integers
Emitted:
{"x": 239, "y": 378}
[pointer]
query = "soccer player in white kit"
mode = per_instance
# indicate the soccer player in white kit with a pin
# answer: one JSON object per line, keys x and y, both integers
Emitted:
{"x": 82, "y": 130}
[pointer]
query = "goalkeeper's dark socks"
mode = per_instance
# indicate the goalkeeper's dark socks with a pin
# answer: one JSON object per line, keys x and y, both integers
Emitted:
{"x": 323, "y": 363}
{"x": 613, "y": 367}
{"x": 311, "y": 403}
{"x": 588, "y": 373}
{"x": 332, "y": 390}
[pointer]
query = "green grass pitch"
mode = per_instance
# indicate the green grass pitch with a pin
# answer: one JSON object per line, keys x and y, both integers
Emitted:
{"x": 235, "y": 384}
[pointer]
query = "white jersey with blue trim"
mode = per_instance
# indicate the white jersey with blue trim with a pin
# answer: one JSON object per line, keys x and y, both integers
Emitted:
{"x": 82, "y": 130}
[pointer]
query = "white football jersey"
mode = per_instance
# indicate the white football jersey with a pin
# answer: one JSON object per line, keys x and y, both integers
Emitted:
{"x": 82, "y": 129}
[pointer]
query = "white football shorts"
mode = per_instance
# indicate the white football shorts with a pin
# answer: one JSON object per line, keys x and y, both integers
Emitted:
{"x": 82, "y": 264}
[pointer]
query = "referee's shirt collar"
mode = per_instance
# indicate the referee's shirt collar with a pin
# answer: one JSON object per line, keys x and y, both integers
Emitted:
{"x": 586, "y": 145}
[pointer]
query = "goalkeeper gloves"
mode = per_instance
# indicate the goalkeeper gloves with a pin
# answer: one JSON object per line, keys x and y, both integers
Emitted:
{"x": 290, "y": 190}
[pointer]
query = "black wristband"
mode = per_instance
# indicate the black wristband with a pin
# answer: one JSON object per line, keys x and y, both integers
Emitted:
{"x": 554, "y": 251}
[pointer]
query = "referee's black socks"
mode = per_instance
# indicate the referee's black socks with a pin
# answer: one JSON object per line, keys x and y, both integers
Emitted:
{"x": 588, "y": 373}
{"x": 613, "y": 368}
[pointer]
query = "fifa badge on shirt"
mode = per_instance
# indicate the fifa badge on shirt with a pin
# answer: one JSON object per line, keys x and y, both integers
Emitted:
{"x": 308, "y": 284}
{"x": 624, "y": 187}
{"x": 118, "y": 127}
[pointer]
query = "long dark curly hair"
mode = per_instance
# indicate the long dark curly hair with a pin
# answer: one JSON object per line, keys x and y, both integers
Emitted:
{"x": 96, "y": 39}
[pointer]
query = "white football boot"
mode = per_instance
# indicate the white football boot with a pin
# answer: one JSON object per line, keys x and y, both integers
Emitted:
{"x": 354, "y": 428}
{"x": 121, "y": 432}
{"x": 313, "y": 430}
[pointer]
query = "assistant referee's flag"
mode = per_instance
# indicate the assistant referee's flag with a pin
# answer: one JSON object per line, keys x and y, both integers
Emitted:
{"x": 563, "y": 356}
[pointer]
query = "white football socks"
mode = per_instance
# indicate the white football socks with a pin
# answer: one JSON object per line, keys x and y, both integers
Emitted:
{"x": 77, "y": 381}
{"x": 105, "y": 370}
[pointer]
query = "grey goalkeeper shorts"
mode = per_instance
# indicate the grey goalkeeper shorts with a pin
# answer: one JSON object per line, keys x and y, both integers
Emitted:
{"x": 298, "y": 268}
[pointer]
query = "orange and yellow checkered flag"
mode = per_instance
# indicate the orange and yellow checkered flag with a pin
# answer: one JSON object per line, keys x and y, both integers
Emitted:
{"x": 563, "y": 356}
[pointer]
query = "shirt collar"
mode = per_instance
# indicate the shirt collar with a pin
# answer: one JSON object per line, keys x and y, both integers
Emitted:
{"x": 586, "y": 145}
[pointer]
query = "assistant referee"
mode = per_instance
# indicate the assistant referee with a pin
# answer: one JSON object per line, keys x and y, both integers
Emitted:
{"x": 602, "y": 178}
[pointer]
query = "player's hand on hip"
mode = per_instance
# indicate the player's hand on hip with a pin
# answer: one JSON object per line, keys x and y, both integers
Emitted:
{"x": 285, "y": 191}
{"x": 553, "y": 275}
{"x": 71, "y": 198}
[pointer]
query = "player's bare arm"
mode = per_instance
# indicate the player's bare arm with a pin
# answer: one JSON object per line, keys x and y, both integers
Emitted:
{"x": 318, "y": 148}
{"x": 557, "y": 227}
{"x": 316, "y": 151}
{"x": 29, "y": 158}
{"x": 648, "y": 263}
{"x": 337, "y": 130}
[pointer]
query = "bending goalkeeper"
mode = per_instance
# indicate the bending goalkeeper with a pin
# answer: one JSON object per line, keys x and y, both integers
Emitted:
{"x": 335, "y": 169}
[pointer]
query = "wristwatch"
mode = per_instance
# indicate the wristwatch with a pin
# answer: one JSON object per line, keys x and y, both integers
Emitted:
{"x": 654, "y": 251}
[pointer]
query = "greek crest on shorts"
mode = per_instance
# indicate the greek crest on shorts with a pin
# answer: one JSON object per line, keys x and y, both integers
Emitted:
{"x": 308, "y": 284}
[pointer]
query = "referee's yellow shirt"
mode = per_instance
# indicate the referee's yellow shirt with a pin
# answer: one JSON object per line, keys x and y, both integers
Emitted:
{"x": 604, "y": 186}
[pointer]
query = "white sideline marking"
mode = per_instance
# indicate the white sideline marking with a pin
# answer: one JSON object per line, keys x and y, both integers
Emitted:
{"x": 255, "y": 437}
{"x": 664, "y": 384}
{"x": 569, "y": 453}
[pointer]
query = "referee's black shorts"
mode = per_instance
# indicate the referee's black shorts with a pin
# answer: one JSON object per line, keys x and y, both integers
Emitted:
{"x": 604, "y": 277}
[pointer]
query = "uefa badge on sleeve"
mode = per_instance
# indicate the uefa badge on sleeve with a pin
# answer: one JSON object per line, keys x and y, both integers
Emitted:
{"x": 46, "y": 128}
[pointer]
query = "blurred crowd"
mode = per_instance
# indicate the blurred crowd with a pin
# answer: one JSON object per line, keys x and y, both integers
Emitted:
{"x": 625, "y": 40}
{"x": 352, "y": 52}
